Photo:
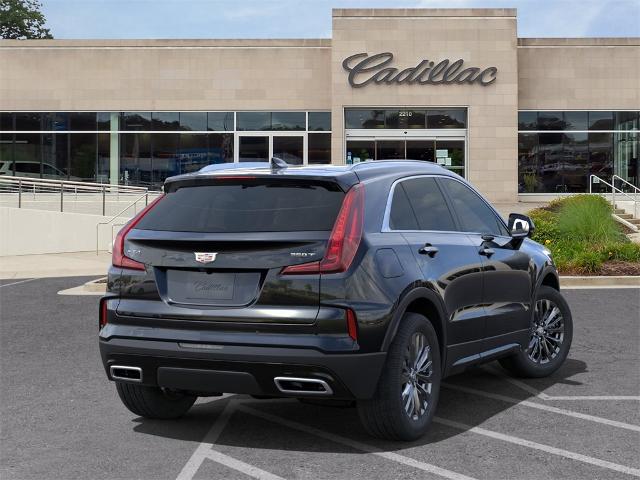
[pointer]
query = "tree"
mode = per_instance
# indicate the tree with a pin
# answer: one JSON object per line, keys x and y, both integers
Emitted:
{"x": 21, "y": 19}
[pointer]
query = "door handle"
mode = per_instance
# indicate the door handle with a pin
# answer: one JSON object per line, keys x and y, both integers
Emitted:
{"x": 486, "y": 251}
{"x": 428, "y": 249}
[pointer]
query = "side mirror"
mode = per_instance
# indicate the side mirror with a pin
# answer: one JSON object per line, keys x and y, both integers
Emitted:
{"x": 520, "y": 226}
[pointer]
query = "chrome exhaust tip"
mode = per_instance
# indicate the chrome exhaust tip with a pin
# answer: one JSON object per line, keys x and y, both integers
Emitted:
{"x": 125, "y": 373}
{"x": 305, "y": 386}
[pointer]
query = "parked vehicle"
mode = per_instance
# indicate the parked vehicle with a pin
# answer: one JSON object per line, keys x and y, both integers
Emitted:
{"x": 368, "y": 283}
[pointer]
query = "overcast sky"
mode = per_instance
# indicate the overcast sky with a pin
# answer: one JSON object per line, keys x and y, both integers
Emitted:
{"x": 312, "y": 18}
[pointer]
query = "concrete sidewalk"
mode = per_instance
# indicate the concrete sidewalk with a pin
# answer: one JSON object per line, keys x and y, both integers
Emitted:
{"x": 54, "y": 265}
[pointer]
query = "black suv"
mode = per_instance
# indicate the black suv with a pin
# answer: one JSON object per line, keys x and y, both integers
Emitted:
{"x": 366, "y": 283}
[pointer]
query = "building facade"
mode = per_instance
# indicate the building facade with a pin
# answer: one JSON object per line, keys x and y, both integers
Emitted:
{"x": 516, "y": 117}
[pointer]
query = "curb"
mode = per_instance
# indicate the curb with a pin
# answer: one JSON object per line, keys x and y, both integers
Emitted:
{"x": 623, "y": 281}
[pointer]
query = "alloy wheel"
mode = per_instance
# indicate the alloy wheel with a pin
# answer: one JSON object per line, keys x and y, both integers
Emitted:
{"x": 547, "y": 332}
{"x": 416, "y": 377}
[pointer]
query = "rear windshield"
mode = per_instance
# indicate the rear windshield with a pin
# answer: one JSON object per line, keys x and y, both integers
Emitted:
{"x": 246, "y": 208}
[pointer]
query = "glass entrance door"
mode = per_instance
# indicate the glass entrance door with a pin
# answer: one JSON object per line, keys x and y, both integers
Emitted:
{"x": 289, "y": 148}
{"x": 253, "y": 148}
{"x": 260, "y": 148}
{"x": 450, "y": 153}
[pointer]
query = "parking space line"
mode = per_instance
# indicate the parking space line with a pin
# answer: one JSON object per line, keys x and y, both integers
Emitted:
{"x": 541, "y": 447}
{"x": 16, "y": 283}
{"x": 395, "y": 457}
{"x": 548, "y": 408}
{"x": 205, "y": 451}
{"x": 543, "y": 396}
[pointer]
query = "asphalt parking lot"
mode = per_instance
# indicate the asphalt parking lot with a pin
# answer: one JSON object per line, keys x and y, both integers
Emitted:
{"x": 61, "y": 418}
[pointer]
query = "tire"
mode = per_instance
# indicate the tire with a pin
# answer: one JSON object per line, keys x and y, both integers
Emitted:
{"x": 152, "y": 402}
{"x": 384, "y": 415}
{"x": 535, "y": 362}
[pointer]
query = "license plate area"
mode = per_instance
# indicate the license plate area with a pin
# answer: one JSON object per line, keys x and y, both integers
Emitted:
{"x": 193, "y": 287}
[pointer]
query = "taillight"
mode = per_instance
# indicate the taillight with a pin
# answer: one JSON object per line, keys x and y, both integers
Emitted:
{"x": 352, "y": 325}
{"x": 102, "y": 317}
{"x": 344, "y": 239}
{"x": 118, "y": 258}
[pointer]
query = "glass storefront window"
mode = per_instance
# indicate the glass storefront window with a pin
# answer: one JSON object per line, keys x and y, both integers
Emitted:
{"x": 390, "y": 149}
{"x": 600, "y": 120}
{"x": 169, "y": 121}
{"x": 26, "y": 155}
{"x": 220, "y": 147}
{"x": 104, "y": 158}
{"x": 575, "y": 162}
{"x": 626, "y": 121}
{"x": 601, "y": 154}
{"x": 528, "y": 168}
{"x": 289, "y": 149}
{"x": 253, "y": 121}
{"x": 451, "y": 118}
{"x": 405, "y": 119}
{"x": 135, "y": 159}
{"x": 360, "y": 150}
{"x": 83, "y": 155}
{"x": 576, "y": 120}
{"x": 625, "y": 150}
{"x": 6, "y": 121}
{"x": 319, "y": 147}
{"x": 194, "y": 121}
{"x": 55, "y": 156}
{"x": 104, "y": 121}
{"x": 193, "y": 153}
{"x": 359, "y": 118}
{"x": 421, "y": 150}
{"x": 319, "y": 121}
{"x": 288, "y": 121}
{"x": 527, "y": 120}
{"x": 82, "y": 121}
{"x": 28, "y": 121}
{"x": 165, "y": 163}
{"x": 220, "y": 121}
{"x": 550, "y": 121}
{"x": 450, "y": 154}
{"x": 253, "y": 149}
{"x": 551, "y": 159}
{"x": 135, "y": 121}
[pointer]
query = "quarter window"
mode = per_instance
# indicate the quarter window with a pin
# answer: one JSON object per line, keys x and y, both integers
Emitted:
{"x": 423, "y": 206}
{"x": 473, "y": 213}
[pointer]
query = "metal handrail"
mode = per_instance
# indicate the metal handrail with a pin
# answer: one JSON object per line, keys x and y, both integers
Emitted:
{"x": 88, "y": 185}
{"x": 21, "y": 185}
{"x": 614, "y": 190}
{"x": 132, "y": 204}
{"x": 626, "y": 182}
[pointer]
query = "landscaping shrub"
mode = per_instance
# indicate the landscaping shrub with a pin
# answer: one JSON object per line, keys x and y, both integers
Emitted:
{"x": 581, "y": 234}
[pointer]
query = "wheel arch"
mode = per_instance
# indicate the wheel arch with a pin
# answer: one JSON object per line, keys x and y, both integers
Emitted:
{"x": 427, "y": 303}
{"x": 549, "y": 277}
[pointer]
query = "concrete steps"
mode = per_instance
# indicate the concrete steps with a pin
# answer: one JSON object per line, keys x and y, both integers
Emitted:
{"x": 622, "y": 216}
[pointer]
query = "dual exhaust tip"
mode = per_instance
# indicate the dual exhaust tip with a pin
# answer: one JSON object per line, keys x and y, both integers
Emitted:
{"x": 288, "y": 385}
{"x": 306, "y": 386}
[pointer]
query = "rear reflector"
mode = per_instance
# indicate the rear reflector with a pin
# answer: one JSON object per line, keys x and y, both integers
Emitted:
{"x": 344, "y": 240}
{"x": 352, "y": 325}
{"x": 102, "y": 316}
{"x": 118, "y": 258}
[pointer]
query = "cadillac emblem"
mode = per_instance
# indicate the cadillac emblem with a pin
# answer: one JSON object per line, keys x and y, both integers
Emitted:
{"x": 205, "y": 257}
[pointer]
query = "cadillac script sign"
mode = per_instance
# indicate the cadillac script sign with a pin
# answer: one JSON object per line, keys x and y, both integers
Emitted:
{"x": 365, "y": 69}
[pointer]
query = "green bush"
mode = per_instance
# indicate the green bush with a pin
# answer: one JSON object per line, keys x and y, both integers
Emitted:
{"x": 581, "y": 234}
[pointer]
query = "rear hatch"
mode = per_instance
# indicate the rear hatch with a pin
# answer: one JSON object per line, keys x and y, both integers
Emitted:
{"x": 215, "y": 247}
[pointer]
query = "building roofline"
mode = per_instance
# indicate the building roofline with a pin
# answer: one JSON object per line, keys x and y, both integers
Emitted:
{"x": 173, "y": 43}
{"x": 580, "y": 42}
{"x": 424, "y": 12}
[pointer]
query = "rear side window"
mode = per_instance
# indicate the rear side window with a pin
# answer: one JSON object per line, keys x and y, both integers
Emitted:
{"x": 426, "y": 205}
{"x": 249, "y": 207}
{"x": 474, "y": 214}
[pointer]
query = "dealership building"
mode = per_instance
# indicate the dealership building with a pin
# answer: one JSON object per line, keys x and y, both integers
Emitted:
{"x": 520, "y": 118}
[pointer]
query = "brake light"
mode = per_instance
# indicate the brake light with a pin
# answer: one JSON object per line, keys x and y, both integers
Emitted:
{"x": 102, "y": 318}
{"x": 352, "y": 325}
{"x": 118, "y": 258}
{"x": 344, "y": 239}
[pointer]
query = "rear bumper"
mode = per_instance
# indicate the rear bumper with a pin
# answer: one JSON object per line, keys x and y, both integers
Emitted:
{"x": 204, "y": 368}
